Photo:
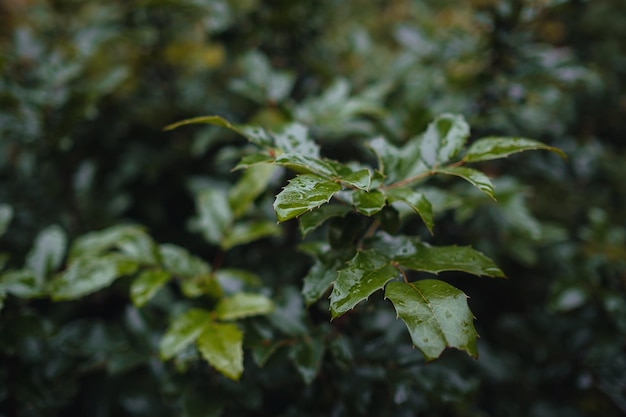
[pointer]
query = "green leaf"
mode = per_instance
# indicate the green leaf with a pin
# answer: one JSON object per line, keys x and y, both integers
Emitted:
{"x": 307, "y": 357}
{"x": 201, "y": 285}
{"x": 146, "y": 285}
{"x": 180, "y": 262}
{"x": 243, "y": 305}
{"x": 501, "y": 147}
{"x": 214, "y": 215}
{"x": 234, "y": 280}
{"x": 97, "y": 243}
{"x": 313, "y": 219}
{"x": 303, "y": 193}
{"x": 222, "y": 346}
{"x": 444, "y": 138}
{"x": 86, "y": 275}
{"x": 140, "y": 248}
{"x": 436, "y": 314}
{"x": 435, "y": 259}
{"x": 397, "y": 164}
{"x": 319, "y": 279}
{"x": 476, "y": 178}
{"x": 6, "y": 215}
{"x": 304, "y": 164}
{"x": 246, "y": 232}
{"x": 363, "y": 275}
{"x": 361, "y": 179}
{"x": 252, "y": 160}
{"x": 251, "y": 184}
{"x": 22, "y": 283}
{"x": 183, "y": 331}
{"x": 417, "y": 201}
{"x": 294, "y": 139}
{"x": 368, "y": 203}
{"x": 48, "y": 252}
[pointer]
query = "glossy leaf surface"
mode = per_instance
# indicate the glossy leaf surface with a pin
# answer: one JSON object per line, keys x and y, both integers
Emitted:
{"x": 303, "y": 193}
{"x": 436, "y": 315}
{"x": 368, "y": 203}
{"x": 417, "y": 201}
{"x": 147, "y": 284}
{"x": 364, "y": 274}
{"x": 85, "y": 276}
{"x": 313, "y": 219}
{"x": 474, "y": 177}
{"x": 499, "y": 147}
{"x": 444, "y": 138}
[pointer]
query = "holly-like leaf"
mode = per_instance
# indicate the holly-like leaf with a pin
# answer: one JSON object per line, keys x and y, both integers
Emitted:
{"x": 251, "y": 184}
{"x": 501, "y": 147}
{"x": 361, "y": 179}
{"x": 146, "y": 285}
{"x": 417, "y": 201}
{"x": 313, "y": 219}
{"x": 47, "y": 252}
{"x": 253, "y": 133}
{"x": 307, "y": 357}
{"x": 397, "y": 164}
{"x": 364, "y": 274}
{"x": 435, "y": 259}
{"x": 368, "y": 203}
{"x": 246, "y": 232}
{"x": 303, "y": 193}
{"x": 97, "y": 243}
{"x": 214, "y": 216}
{"x": 243, "y": 305}
{"x": 474, "y": 177}
{"x": 444, "y": 138}
{"x": 305, "y": 164}
{"x": 252, "y": 160}
{"x": 221, "y": 344}
{"x": 436, "y": 315}
{"x": 183, "y": 331}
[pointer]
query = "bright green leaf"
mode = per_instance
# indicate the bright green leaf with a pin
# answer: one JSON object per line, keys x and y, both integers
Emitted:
{"x": 214, "y": 215}
{"x": 6, "y": 215}
{"x": 243, "y": 305}
{"x": 313, "y": 219}
{"x": 363, "y": 275}
{"x": 146, "y": 285}
{"x": 199, "y": 285}
{"x": 307, "y": 357}
{"x": 436, "y": 314}
{"x": 500, "y": 147}
{"x": 303, "y": 193}
{"x": 368, "y": 203}
{"x": 222, "y": 346}
{"x": 246, "y": 232}
{"x": 251, "y": 184}
{"x": 444, "y": 138}
{"x": 47, "y": 252}
{"x": 361, "y": 179}
{"x": 183, "y": 331}
{"x": 417, "y": 201}
{"x": 474, "y": 177}
{"x": 140, "y": 248}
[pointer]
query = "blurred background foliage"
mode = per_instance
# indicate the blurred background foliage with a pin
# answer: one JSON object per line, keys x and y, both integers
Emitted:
{"x": 87, "y": 86}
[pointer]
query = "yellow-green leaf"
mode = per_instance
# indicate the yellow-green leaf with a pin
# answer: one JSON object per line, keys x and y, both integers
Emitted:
{"x": 221, "y": 344}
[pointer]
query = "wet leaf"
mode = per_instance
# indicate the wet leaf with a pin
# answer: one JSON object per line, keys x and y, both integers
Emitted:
{"x": 303, "y": 193}
{"x": 436, "y": 315}
{"x": 444, "y": 138}
{"x": 84, "y": 276}
{"x": 361, "y": 179}
{"x": 474, "y": 177}
{"x": 368, "y": 203}
{"x": 501, "y": 147}
{"x": 417, "y": 201}
{"x": 363, "y": 275}
{"x": 214, "y": 216}
{"x": 313, "y": 219}
{"x": 246, "y": 232}
{"x": 251, "y": 184}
